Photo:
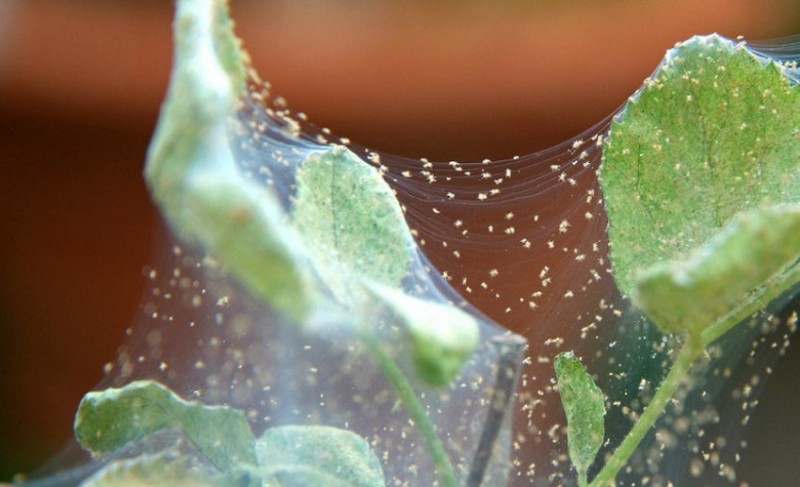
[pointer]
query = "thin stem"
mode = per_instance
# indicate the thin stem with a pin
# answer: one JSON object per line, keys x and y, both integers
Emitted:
{"x": 582, "y": 482}
{"x": 415, "y": 409}
{"x": 677, "y": 375}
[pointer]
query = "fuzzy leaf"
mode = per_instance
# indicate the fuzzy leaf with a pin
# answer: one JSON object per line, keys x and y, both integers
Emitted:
{"x": 442, "y": 336}
{"x": 584, "y": 405}
{"x": 361, "y": 246}
{"x": 715, "y": 132}
{"x": 299, "y": 456}
{"x": 351, "y": 222}
{"x": 746, "y": 265}
{"x": 191, "y": 170}
{"x": 108, "y": 420}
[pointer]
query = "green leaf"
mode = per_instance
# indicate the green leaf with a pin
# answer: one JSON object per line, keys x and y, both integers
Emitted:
{"x": 359, "y": 241}
{"x": 442, "y": 336}
{"x": 108, "y": 420}
{"x": 715, "y": 132}
{"x": 584, "y": 405}
{"x": 192, "y": 174}
{"x": 248, "y": 231}
{"x": 148, "y": 471}
{"x": 744, "y": 267}
{"x": 351, "y": 222}
{"x": 300, "y": 456}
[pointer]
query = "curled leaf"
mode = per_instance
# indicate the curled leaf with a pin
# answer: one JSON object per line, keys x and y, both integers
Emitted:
{"x": 108, "y": 420}
{"x": 442, "y": 336}
{"x": 191, "y": 170}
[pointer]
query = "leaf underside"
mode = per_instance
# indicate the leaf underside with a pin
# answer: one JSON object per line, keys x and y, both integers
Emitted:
{"x": 299, "y": 456}
{"x": 147, "y": 471}
{"x": 741, "y": 270}
{"x": 351, "y": 223}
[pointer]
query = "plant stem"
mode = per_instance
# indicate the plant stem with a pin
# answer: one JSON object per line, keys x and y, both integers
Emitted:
{"x": 677, "y": 375}
{"x": 415, "y": 409}
{"x": 582, "y": 482}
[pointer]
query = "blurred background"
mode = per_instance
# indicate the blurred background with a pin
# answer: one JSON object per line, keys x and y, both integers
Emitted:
{"x": 80, "y": 88}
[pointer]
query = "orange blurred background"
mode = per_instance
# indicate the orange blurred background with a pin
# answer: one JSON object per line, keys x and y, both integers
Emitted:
{"x": 80, "y": 87}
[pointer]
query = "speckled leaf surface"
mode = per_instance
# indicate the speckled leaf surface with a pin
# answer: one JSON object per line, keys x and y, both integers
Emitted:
{"x": 751, "y": 261}
{"x": 299, "y": 456}
{"x": 584, "y": 405}
{"x": 351, "y": 222}
{"x": 716, "y": 131}
{"x": 110, "y": 419}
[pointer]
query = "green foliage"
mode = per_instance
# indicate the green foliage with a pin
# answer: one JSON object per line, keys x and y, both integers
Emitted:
{"x": 351, "y": 222}
{"x": 700, "y": 179}
{"x": 751, "y": 261}
{"x": 248, "y": 233}
{"x": 361, "y": 247}
{"x": 192, "y": 173}
{"x": 108, "y": 420}
{"x": 283, "y": 457}
{"x": 716, "y": 131}
{"x": 442, "y": 336}
{"x": 299, "y": 456}
{"x": 346, "y": 231}
{"x": 584, "y": 405}
{"x": 699, "y": 174}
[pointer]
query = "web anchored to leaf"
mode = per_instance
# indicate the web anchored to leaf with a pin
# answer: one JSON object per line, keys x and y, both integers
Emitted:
{"x": 328, "y": 350}
{"x": 682, "y": 141}
{"x": 324, "y": 245}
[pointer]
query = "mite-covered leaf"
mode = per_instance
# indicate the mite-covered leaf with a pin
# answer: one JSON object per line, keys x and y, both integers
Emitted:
{"x": 351, "y": 222}
{"x": 584, "y": 405}
{"x": 191, "y": 169}
{"x": 249, "y": 232}
{"x": 148, "y": 471}
{"x": 716, "y": 131}
{"x": 361, "y": 246}
{"x": 745, "y": 266}
{"x": 108, "y": 420}
{"x": 300, "y": 456}
{"x": 442, "y": 336}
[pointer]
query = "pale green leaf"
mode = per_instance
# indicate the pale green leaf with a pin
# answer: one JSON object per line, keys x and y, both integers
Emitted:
{"x": 716, "y": 131}
{"x": 300, "y": 456}
{"x": 751, "y": 261}
{"x": 351, "y": 222}
{"x": 361, "y": 246}
{"x": 191, "y": 170}
{"x": 584, "y": 405}
{"x": 248, "y": 231}
{"x": 442, "y": 336}
{"x": 108, "y": 420}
